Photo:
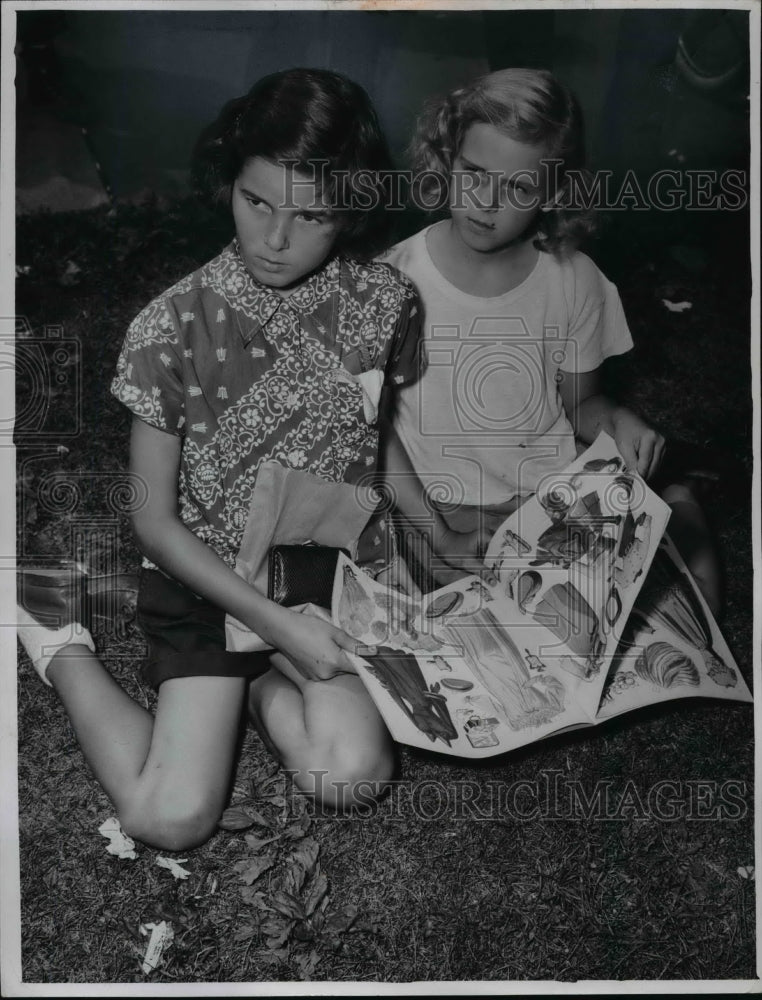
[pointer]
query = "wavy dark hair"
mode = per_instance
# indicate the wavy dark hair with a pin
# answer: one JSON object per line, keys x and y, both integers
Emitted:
{"x": 308, "y": 117}
{"x": 528, "y": 105}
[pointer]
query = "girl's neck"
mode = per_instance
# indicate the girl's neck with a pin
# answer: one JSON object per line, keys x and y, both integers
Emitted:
{"x": 485, "y": 275}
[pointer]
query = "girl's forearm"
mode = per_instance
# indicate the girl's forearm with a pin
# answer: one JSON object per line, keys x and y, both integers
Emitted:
{"x": 409, "y": 492}
{"x": 173, "y": 547}
{"x": 595, "y": 414}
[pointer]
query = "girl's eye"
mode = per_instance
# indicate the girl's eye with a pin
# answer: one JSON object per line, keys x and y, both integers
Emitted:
{"x": 256, "y": 202}
{"x": 306, "y": 217}
{"x": 523, "y": 189}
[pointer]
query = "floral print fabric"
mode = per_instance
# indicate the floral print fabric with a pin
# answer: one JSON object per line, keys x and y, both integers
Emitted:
{"x": 245, "y": 376}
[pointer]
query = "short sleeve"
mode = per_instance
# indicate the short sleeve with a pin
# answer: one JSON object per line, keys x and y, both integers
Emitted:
{"x": 149, "y": 370}
{"x": 406, "y": 358}
{"x": 597, "y": 325}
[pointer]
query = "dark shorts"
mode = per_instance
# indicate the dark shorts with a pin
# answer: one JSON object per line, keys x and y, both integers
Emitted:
{"x": 186, "y": 634}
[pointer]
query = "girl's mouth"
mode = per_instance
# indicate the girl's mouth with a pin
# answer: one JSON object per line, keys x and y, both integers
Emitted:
{"x": 480, "y": 227}
{"x": 270, "y": 265}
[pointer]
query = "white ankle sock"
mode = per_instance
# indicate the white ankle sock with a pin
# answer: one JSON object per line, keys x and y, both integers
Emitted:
{"x": 42, "y": 644}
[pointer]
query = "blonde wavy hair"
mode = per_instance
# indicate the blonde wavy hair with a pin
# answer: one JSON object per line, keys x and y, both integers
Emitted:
{"x": 528, "y": 105}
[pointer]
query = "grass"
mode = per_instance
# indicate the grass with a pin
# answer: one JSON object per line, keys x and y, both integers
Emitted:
{"x": 467, "y": 893}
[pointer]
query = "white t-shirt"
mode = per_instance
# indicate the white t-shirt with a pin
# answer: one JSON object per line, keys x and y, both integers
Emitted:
{"x": 486, "y": 422}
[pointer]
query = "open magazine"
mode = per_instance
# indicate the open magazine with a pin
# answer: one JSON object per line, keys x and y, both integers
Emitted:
{"x": 584, "y": 610}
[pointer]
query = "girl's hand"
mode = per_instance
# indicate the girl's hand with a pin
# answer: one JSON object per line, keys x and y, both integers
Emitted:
{"x": 397, "y": 576}
{"x": 462, "y": 551}
{"x": 641, "y": 446}
{"x": 318, "y": 649}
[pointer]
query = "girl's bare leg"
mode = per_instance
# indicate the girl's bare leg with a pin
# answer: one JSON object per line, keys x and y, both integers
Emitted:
{"x": 689, "y": 530}
{"x": 329, "y": 734}
{"x": 167, "y": 776}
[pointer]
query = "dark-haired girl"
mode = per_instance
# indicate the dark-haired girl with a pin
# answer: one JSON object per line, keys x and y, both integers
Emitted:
{"x": 256, "y": 357}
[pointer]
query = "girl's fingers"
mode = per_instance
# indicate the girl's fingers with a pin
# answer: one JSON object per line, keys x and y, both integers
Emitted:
{"x": 348, "y": 642}
{"x": 656, "y": 446}
{"x": 644, "y": 456}
{"x": 655, "y": 458}
{"x": 406, "y": 581}
{"x": 629, "y": 455}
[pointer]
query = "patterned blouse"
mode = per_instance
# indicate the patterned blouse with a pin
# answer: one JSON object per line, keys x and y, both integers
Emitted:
{"x": 246, "y": 376}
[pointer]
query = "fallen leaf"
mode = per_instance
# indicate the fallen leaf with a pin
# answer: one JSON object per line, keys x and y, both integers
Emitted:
{"x": 245, "y": 933}
{"x": 251, "y": 869}
{"x": 315, "y": 893}
{"x": 306, "y": 964}
{"x": 257, "y": 843}
{"x": 235, "y": 819}
{"x": 306, "y": 854}
{"x": 339, "y": 921}
{"x": 294, "y": 879}
{"x": 746, "y": 871}
{"x": 260, "y": 819}
{"x": 298, "y": 829}
{"x": 289, "y": 905}
{"x": 253, "y": 897}
{"x": 277, "y": 955}
{"x": 276, "y": 800}
{"x": 175, "y": 867}
{"x": 276, "y": 931}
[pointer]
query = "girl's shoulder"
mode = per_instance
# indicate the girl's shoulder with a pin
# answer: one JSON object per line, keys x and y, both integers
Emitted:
{"x": 204, "y": 276}
{"x": 579, "y": 275}
{"x": 578, "y": 265}
{"x": 406, "y": 253}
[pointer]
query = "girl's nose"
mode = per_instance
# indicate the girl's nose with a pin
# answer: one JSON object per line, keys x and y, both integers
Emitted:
{"x": 276, "y": 236}
{"x": 488, "y": 193}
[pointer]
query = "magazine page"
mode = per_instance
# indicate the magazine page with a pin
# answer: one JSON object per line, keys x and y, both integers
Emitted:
{"x": 447, "y": 674}
{"x": 572, "y": 559}
{"x": 671, "y": 647}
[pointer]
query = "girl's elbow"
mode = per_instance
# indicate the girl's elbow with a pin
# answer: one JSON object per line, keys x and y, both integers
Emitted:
{"x": 148, "y": 530}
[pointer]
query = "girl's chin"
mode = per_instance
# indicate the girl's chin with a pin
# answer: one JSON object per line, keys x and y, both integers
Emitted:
{"x": 486, "y": 238}
{"x": 278, "y": 276}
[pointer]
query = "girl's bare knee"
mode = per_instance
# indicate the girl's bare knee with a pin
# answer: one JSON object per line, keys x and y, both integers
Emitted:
{"x": 172, "y": 821}
{"x": 346, "y": 777}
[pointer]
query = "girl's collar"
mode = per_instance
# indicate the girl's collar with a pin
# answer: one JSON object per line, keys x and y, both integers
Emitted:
{"x": 303, "y": 296}
{"x": 454, "y": 291}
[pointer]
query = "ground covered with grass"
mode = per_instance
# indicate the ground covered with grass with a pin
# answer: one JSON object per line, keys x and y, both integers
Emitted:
{"x": 506, "y": 870}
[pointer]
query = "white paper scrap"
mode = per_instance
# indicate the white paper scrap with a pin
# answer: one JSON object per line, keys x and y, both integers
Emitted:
{"x": 120, "y": 844}
{"x": 173, "y": 866}
{"x": 677, "y": 307}
{"x": 161, "y": 938}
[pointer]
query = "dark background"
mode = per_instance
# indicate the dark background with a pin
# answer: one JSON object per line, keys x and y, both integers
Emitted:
{"x": 110, "y": 102}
